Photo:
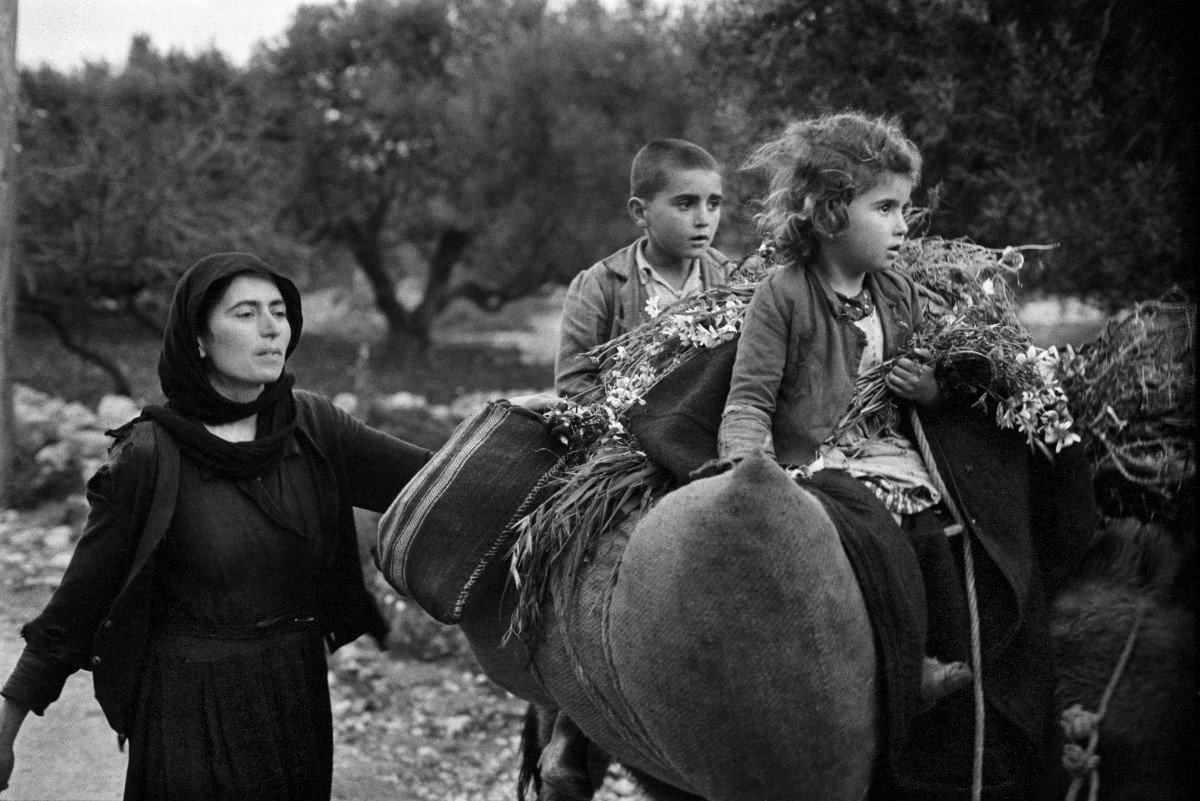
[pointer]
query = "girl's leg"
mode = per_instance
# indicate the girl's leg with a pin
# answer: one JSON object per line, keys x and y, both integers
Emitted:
{"x": 947, "y": 644}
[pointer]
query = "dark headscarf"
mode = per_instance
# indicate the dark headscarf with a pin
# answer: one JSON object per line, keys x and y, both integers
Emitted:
{"x": 191, "y": 399}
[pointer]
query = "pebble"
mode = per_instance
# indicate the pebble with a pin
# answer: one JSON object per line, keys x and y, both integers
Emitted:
{"x": 58, "y": 539}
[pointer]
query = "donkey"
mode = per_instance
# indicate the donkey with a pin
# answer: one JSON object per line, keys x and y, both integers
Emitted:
{"x": 1134, "y": 587}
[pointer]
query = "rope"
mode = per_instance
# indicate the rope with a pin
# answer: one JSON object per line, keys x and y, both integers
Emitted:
{"x": 1078, "y": 723}
{"x": 972, "y": 604}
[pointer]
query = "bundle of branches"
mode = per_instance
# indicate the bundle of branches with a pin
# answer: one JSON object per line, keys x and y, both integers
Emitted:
{"x": 1133, "y": 392}
{"x": 636, "y": 361}
{"x": 552, "y": 543}
{"x": 972, "y": 332}
{"x": 956, "y": 274}
{"x": 978, "y": 347}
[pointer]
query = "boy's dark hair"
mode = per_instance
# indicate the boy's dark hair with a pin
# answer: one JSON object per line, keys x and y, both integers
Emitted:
{"x": 818, "y": 166}
{"x": 649, "y": 173}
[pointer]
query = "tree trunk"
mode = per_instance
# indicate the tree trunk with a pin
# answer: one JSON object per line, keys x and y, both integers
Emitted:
{"x": 111, "y": 368}
{"x": 451, "y": 245}
{"x": 8, "y": 138}
{"x": 368, "y": 252}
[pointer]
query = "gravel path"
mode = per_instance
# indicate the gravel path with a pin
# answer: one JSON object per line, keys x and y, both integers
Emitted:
{"x": 70, "y": 753}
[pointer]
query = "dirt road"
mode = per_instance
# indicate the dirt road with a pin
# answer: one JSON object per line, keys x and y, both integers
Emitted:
{"x": 69, "y": 754}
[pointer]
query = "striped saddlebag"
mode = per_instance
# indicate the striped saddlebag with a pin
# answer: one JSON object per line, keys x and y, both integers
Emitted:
{"x": 444, "y": 540}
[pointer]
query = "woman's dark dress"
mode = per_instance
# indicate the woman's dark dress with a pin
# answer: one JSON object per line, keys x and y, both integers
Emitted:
{"x": 234, "y": 700}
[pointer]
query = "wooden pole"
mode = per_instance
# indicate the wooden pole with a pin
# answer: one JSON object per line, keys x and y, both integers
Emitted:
{"x": 8, "y": 217}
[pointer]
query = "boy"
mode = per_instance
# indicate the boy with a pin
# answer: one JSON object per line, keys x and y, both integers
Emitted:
{"x": 675, "y": 198}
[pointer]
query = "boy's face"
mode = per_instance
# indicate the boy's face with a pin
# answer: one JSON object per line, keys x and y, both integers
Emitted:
{"x": 875, "y": 228}
{"x": 682, "y": 218}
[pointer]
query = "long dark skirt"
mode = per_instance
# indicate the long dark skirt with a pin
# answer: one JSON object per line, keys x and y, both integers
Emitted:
{"x": 240, "y": 718}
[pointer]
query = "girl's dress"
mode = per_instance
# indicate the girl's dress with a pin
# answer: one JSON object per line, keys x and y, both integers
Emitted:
{"x": 234, "y": 699}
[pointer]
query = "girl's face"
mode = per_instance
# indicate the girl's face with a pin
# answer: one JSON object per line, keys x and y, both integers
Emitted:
{"x": 874, "y": 230}
{"x": 246, "y": 338}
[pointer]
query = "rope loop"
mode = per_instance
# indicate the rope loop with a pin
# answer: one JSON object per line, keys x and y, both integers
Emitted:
{"x": 1078, "y": 724}
{"x": 1078, "y": 762}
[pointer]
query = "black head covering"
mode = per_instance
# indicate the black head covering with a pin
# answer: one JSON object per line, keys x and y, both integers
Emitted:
{"x": 191, "y": 399}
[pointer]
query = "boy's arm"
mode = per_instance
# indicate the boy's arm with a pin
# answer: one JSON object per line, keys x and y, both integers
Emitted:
{"x": 586, "y": 321}
{"x": 757, "y": 375}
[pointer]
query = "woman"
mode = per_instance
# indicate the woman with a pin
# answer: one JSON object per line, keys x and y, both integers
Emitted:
{"x": 219, "y": 558}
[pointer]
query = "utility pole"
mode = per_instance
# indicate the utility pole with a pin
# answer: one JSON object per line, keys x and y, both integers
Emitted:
{"x": 8, "y": 218}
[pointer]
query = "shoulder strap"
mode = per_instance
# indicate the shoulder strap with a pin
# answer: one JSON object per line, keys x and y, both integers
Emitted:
{"x": 162, "y": 503}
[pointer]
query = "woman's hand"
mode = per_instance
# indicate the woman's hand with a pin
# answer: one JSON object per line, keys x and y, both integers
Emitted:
{"x": 541, "y": 403}
{"x": 913, "y": 380}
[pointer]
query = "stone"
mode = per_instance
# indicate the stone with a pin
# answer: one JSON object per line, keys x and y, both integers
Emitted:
{"x": 114, "y": 411}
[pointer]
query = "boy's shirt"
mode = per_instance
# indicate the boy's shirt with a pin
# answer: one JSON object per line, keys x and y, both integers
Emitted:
{"x": 607, "y": 300}
{"x": 658, "y": 290}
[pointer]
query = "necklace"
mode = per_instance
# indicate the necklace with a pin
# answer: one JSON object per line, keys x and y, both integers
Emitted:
{"x": 857, "y": 307}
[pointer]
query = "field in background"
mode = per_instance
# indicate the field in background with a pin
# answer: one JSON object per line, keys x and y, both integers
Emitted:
{"x": 473, "y": 351}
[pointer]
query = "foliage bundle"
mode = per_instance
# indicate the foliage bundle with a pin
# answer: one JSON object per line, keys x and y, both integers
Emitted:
{"x": 977, "y": 346}
{"x": 1134, "y": 392}
{"x": 972, "y": 332}
{"x": 1129, "y": 396}
{"x": 604, "y": 486}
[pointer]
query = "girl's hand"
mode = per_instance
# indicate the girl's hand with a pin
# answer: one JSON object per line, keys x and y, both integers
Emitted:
{"x": 913, "y": 380}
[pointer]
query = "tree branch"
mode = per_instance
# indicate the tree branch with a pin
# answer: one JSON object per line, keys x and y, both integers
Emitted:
{"x": 55, "y": 320}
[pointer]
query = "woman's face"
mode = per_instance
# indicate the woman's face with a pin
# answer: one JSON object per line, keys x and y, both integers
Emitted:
{"x": 246, "y": 338}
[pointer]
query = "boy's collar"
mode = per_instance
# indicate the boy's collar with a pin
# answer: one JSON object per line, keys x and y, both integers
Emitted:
{"x": 624, "y": 261}
{"x": 645, "y": 268}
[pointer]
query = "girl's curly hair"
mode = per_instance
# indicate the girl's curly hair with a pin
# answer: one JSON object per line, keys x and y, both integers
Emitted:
{"x": 817, "y": 167}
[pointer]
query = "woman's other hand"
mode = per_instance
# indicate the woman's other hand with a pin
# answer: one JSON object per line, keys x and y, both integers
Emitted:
{"x": 6, "y": 766}
{"x": 12, "y": 715}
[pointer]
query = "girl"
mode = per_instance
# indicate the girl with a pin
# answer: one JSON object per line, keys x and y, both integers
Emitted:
{"x": 840, "y": 188}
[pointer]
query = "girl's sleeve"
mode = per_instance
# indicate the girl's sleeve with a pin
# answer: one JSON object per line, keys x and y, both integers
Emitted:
{"x": 378, "y": 465}
{"x": 757, "y": 375}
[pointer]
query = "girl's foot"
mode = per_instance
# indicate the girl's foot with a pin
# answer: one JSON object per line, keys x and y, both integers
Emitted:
{"x": 939, "y": 679}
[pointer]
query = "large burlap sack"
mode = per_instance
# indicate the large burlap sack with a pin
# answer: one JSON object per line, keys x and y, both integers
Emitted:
{"x": 443, "y": 542}
{"x": 721, "y": 644}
